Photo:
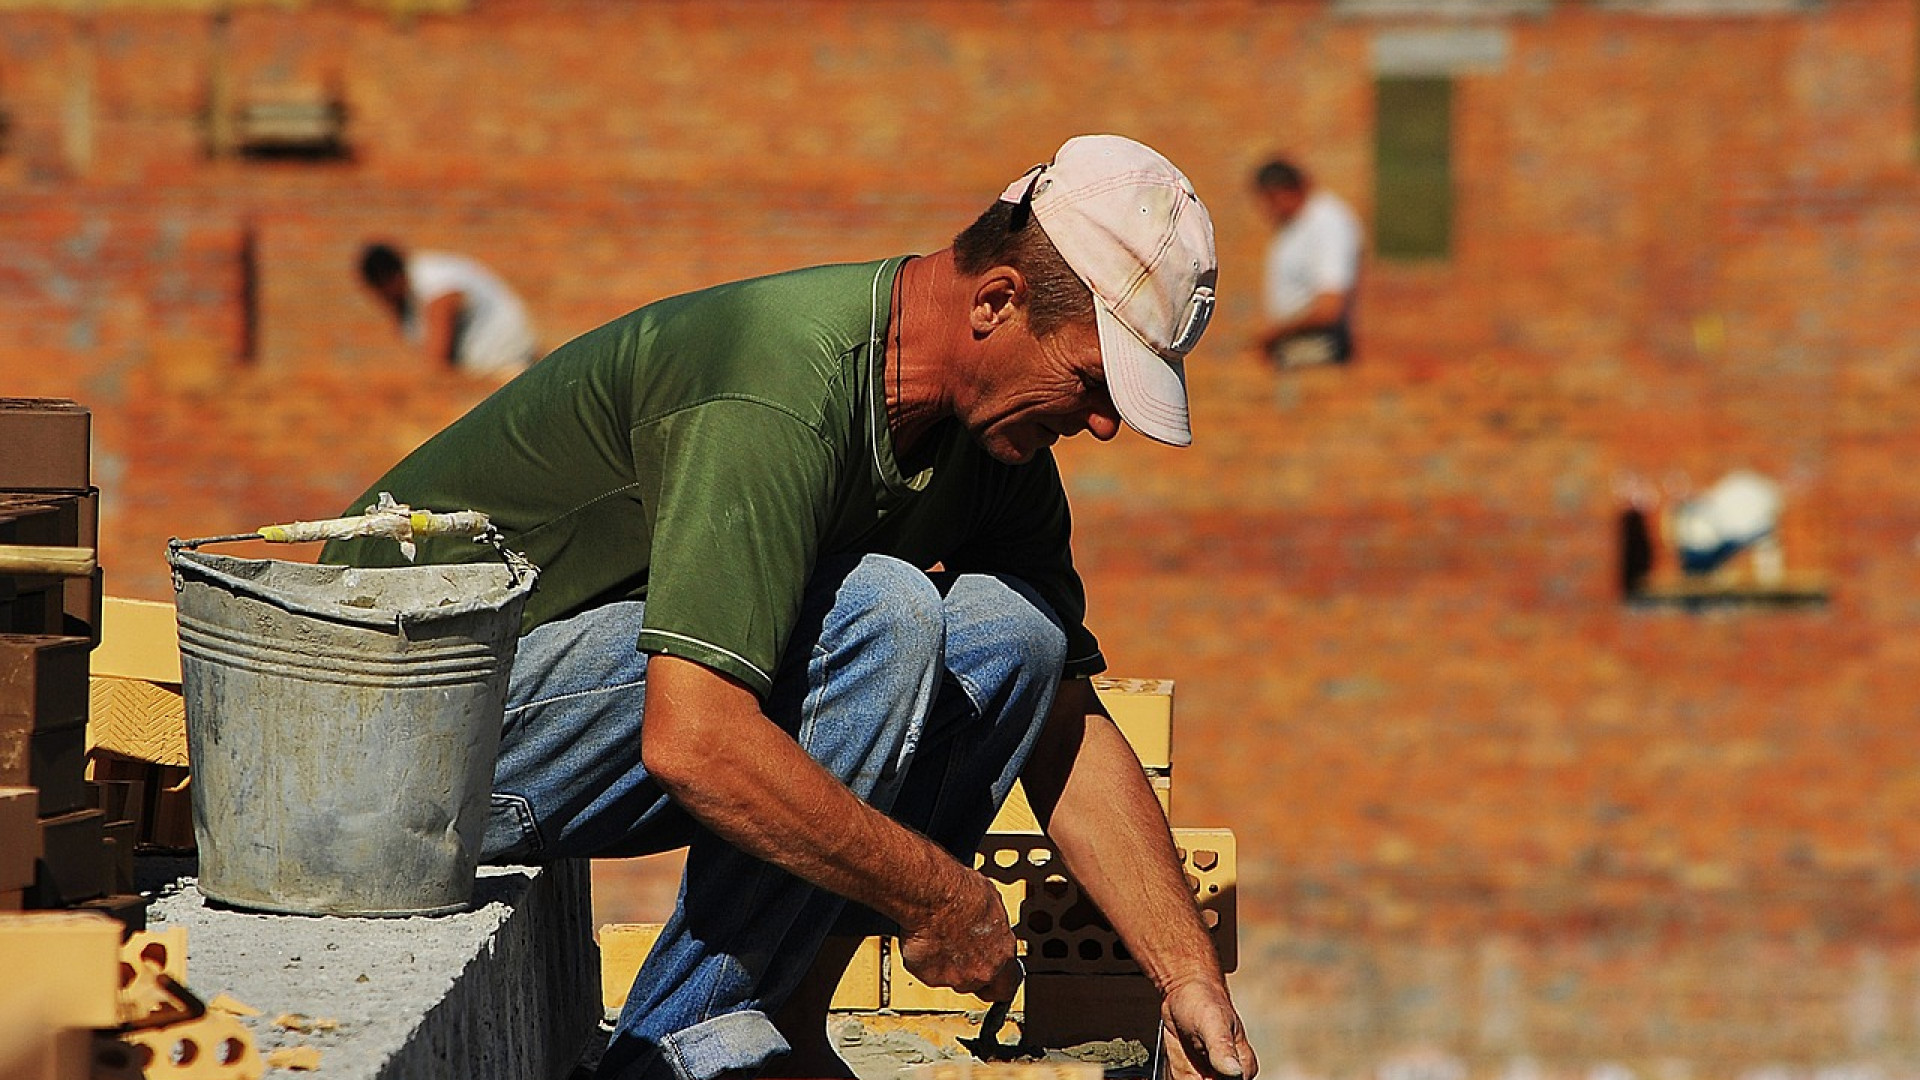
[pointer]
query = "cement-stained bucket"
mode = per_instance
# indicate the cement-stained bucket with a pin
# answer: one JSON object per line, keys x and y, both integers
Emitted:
{"x": 342, "y": 725}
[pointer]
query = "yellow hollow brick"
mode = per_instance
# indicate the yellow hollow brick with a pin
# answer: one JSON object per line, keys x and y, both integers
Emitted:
{"x": 139, "y": 639}
{"x": 66, "y": 964}
{"x": 1060, "y": 930}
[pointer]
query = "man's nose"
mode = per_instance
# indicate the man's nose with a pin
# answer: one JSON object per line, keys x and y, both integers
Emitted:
{"x": 1103, "y": 422}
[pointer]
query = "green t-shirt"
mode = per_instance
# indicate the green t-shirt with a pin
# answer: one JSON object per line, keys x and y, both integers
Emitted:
{"x": 704, "y": 452}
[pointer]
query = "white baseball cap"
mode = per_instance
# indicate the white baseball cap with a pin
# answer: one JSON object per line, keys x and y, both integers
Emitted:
{"x": 1130, "y": 225}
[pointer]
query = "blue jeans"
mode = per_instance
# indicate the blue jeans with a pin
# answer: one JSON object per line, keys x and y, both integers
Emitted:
{"x": 923, "y": 694}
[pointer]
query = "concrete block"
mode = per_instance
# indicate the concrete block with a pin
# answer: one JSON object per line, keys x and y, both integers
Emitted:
{"x": 137, "y": 718}
{"x": 139, "y": 639}
{"x": 20, "y": 840}
{"x": 1062, "y": 1010}
{"x": 504, "y": 990}
{"x": 74, "y": 866}
{"x": 1143, "y": 710}
{"x": 45, "y": 445}
{"x": 71, "y": 960}
{"x": 44, "y": 677}
{"x": 624, "y": 947}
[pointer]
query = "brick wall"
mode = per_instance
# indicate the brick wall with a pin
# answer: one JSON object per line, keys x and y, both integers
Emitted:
{"x": 1456, "y": 763}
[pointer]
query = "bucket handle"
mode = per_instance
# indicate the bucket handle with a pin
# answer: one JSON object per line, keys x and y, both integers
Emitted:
{"x": 394, "y": 520}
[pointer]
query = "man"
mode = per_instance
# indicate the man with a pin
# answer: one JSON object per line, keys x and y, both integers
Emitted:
{"x": 455, "y": 309}
{"x": 751, "y": 484}
{"x": 1313, "y": 264}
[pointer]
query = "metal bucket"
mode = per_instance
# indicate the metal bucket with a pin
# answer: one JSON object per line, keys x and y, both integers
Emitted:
{"x": 342, "y": 725}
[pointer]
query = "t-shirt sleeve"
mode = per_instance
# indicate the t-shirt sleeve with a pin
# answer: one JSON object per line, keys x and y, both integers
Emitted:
{"x": 1026, "y": 531}
{"x": 737, "y": 519}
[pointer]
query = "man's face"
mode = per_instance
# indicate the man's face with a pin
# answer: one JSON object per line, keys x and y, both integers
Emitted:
{"x": 1032, "y": 392}
{"x": 1282, "y": 204}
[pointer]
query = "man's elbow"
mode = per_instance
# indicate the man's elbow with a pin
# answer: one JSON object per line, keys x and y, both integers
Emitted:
{"x": 675, "y": 759}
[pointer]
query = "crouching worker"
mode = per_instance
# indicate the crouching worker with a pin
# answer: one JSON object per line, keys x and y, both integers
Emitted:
{"x": 737, "y": 644}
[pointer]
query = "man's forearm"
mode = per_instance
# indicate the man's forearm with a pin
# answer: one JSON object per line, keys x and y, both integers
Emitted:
{"x": 1096, "y": 805}
{"x": 753, "y": 786}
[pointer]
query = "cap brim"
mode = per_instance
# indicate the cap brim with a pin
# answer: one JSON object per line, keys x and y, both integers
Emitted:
{"x": 1149, "y": 390}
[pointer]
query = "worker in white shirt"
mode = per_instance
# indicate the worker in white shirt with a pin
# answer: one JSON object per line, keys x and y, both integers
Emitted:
{"x": 457, "y": 311}
{"x": 1312, "y": 268}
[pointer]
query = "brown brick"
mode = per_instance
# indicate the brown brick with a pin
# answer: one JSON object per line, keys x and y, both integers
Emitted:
{"x": 20, "y": 839}
{"x": 120, "y": 838}
{"x": 128, "y": 909}
{"x": 58, "y": 767}
{"x": 45, "y": 445}
{"x": 43, "y": 520}
{"x": 75, "y": 865}
{"x": 32, "y": 605}
{"x": 44, "y": 677}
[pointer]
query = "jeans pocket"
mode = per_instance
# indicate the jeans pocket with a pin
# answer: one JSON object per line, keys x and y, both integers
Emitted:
{"x": 512, "y": 833}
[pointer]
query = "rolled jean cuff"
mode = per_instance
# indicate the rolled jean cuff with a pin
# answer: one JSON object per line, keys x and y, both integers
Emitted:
{"x": 741, "y": 1040}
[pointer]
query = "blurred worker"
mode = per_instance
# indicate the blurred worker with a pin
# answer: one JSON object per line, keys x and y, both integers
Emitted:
{"x": 1740, "y": 512}
{"x": 455, "y": 309}
{"x": 1312, "y": 268}
{"x": 736, "y": 498}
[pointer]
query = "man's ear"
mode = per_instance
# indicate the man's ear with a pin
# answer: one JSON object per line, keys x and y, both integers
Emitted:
{"x": 999, "y": 297}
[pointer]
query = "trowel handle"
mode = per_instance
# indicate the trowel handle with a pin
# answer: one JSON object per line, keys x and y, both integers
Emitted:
{"x": 416, "y": 523}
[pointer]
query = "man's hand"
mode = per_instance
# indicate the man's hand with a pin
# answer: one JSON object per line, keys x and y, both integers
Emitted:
{"x": 1201, "y": 1034}
{"x": 965, "y": 944}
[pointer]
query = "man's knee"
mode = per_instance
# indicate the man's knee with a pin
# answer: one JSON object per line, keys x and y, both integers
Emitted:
{"x": 1007, "y": 613}
{"x": 895, "y": 603}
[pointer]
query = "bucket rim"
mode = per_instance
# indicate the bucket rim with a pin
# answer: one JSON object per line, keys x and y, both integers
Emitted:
{"x": 204, "y": 564}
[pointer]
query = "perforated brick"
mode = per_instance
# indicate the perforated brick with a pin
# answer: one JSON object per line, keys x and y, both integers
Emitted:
{"x": 1063, "y": 932}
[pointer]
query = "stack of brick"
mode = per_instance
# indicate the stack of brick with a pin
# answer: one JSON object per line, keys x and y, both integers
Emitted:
{"x": 1082, "y": 986}
{"x": 84, "y": 999}
{"x": 50, "y": 591}
{"x": 137, "y": 727}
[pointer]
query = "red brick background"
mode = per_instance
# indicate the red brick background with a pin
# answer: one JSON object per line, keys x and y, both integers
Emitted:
{"x": 1490, "y": 820}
